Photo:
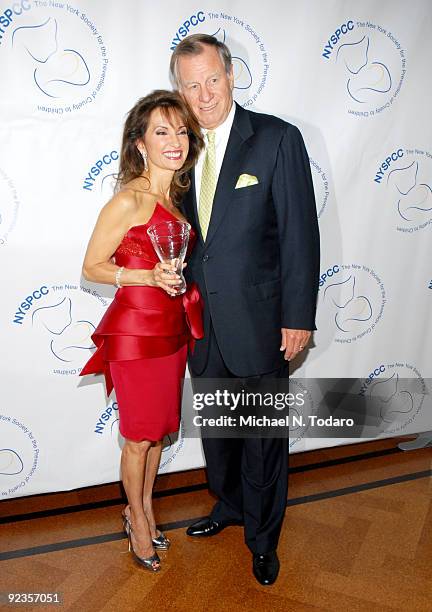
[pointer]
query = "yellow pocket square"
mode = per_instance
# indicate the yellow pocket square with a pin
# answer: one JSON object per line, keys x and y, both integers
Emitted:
{"x": 246, "y": 180}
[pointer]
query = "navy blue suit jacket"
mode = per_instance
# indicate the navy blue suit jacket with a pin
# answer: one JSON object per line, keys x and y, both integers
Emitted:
{"x": 258, "y": 268}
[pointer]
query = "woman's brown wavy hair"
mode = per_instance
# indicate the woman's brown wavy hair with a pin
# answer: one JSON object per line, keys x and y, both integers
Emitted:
{"x": 131, "y": 162}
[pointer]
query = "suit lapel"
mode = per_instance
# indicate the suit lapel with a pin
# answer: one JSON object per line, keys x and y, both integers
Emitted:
{"x": 190, "y": 207}
{"x": 235, "y": 152}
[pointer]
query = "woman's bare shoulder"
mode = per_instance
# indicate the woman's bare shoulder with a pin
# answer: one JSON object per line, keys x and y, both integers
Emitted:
{"x": 124, "y": 202}
{"x": 146, "y": 200}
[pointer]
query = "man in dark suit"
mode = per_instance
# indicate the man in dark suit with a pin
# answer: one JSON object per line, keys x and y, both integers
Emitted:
{"x": 256, "y": 262}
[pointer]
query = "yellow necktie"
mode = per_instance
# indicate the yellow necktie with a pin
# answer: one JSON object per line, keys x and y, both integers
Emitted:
{"x": 208, "y": 184}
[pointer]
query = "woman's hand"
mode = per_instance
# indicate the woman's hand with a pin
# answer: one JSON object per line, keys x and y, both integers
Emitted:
{"x": 165, "y": 277}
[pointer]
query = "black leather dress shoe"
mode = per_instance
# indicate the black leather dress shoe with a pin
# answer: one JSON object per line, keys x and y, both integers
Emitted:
{"x": 207, "y": 527}
{"x": 266, "y": 567}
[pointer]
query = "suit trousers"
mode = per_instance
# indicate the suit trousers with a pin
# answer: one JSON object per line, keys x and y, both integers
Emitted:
{"x": 248, "y": 475}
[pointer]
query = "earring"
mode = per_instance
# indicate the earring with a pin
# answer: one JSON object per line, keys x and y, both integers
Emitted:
{"x": 144, "y": 156}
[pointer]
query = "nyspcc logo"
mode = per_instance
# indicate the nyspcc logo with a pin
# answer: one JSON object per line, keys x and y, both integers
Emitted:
{"x": 352, "y": 297}
{"x": 369, "y": 66}
{"x": 108, "y": 421}
{"x": 396, "y": 392}
{"x": 19, "y": 455}
{"x": 9, "y": 205}
{"x": 321, "y": 186}
{"x": 172, "y": 446}
{"x": 61, "y": 320}
{"x": 101, "y": 176}
{"x": 405, "y": 174}
{"x": 58, "y": 53}
{"x": 249, "y": 54}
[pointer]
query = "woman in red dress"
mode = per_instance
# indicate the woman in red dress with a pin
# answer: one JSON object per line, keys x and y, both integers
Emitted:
{"x": 143, "y": 337}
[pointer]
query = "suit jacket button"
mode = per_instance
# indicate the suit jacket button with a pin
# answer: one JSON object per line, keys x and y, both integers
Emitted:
{"x": 205, "y": 258}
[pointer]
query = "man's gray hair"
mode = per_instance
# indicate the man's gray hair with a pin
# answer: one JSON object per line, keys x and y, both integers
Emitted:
{"x": 193, "y": 45}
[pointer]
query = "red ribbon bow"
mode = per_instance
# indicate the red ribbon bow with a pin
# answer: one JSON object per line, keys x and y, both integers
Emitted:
{"x": 192, "y": 303}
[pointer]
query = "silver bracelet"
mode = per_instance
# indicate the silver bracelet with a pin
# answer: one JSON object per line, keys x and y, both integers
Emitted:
{"x": 118, "y": 275}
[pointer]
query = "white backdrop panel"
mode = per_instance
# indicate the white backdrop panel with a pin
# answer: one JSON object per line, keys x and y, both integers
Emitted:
{"x": 352, "y": 76}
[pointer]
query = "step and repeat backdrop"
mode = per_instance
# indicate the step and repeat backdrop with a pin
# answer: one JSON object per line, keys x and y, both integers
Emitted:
{"x": 352, "y": 76}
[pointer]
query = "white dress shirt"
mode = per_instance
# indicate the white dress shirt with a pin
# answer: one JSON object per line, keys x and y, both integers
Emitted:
{"x": 221, "y": 140}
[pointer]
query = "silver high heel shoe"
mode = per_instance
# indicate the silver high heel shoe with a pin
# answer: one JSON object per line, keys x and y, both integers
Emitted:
{"x": 126, "y": 523}
{"x": 159, "y": 543}
{"x": 151, "y": 563}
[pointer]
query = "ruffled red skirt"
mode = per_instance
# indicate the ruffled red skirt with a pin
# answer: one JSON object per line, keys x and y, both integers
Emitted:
{"x": 142, "y": 342}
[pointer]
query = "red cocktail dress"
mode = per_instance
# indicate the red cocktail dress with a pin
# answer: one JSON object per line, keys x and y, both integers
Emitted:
{"x": 142, "y": 342}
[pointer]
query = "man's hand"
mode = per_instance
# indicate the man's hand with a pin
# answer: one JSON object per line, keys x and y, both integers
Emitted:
{"x": 293, "y": 341}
